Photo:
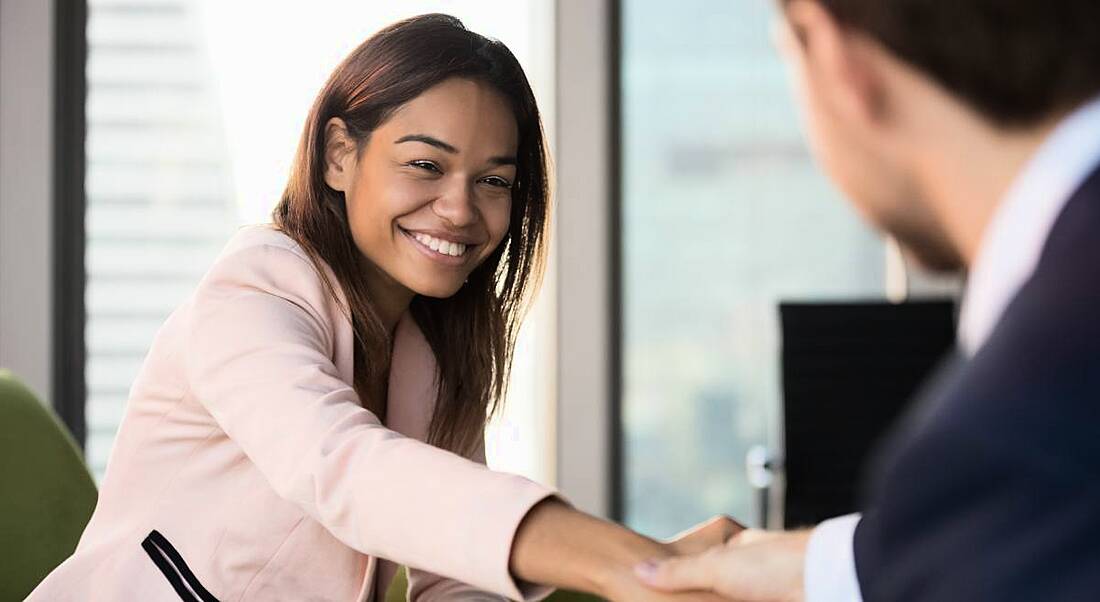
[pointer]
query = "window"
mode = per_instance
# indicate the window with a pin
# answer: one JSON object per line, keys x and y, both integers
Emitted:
{"x": 723, "y": 215}
{"x": 191, "y": 129}
{"x": 159, "y": 186}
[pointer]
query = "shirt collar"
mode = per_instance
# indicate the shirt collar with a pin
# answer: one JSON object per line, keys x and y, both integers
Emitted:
{"x": 1015, "y": 237}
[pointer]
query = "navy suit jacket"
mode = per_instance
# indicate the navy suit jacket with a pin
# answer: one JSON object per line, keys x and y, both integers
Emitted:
{"x": 991, "y": 489}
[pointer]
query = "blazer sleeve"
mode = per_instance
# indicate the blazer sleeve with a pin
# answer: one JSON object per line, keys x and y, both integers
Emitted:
{"x": 425, "y": 586}
{"x": 258, "y": 358}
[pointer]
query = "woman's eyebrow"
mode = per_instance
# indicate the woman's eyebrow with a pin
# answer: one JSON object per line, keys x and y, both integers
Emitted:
{"x": 430, "y": 140}
{"x": 436, "y": 142}
{"x": 503, "y": 160}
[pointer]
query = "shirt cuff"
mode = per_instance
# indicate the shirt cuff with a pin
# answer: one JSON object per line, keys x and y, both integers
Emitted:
{"x": 830, "y": 571}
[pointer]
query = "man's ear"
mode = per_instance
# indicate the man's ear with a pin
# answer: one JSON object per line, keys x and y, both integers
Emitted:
{"x": 837, "y": 60}
{"x": 340, "y": 155}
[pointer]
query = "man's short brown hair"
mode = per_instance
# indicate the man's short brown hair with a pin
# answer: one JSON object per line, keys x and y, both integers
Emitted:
{"x": 1015, "y": 61}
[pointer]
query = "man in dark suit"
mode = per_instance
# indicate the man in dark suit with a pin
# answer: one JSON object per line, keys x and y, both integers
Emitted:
{"x": 970, "y": 131}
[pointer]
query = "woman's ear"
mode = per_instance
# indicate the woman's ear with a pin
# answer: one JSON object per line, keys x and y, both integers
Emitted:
{"x": 340, "y": 155}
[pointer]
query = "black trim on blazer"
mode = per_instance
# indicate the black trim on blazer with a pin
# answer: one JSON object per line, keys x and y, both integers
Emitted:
{"x": 169, "y": 561}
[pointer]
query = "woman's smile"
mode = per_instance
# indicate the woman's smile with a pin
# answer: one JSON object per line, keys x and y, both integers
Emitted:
{"x": 444, "y": 248}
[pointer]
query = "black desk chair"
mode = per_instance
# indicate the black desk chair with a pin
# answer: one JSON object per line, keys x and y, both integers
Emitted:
{"x": 848, "y": 371}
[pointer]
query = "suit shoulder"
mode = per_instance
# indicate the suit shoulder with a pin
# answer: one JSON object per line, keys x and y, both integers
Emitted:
{"x": 262, "y": 236}
{"x": 266, "y": 249}
{"x": 265, "y": 259}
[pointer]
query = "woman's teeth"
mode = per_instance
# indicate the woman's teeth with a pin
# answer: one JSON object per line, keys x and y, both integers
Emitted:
{"x": 454, "y": 249}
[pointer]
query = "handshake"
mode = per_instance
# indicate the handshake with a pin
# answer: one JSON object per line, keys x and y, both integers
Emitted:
{"x": 716, "y": 561}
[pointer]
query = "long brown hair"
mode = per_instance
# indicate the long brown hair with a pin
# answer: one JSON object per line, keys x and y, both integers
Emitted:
{"x": 472, "y": 333}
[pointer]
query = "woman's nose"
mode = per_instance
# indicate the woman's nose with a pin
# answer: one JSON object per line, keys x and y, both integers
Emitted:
{"x": 456, "y": 206}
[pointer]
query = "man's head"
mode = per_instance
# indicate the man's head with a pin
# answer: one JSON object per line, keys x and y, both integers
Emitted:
{"x": 887, "y": 84}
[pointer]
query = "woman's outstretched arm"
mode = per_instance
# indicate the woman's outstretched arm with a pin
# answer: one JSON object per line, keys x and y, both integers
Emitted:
{"x": 259, "y": 335}
{"x": 559, "y": 546}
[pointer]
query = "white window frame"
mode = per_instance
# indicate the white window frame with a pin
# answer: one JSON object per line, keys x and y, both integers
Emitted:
{"x": 582, "y": 276}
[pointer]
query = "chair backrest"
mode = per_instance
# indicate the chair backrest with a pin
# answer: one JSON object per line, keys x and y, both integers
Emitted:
{"x": 849, "y": 370}
{"x": 46, "y": 492}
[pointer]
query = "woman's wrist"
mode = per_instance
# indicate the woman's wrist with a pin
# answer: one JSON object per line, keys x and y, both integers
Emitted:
{"x": 559, "y": 546}
{"x": 624, "y": 549}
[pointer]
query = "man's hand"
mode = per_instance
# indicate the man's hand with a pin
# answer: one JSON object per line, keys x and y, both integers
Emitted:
{"x": 753, "y": 566}
{"x": 625, "y": 587}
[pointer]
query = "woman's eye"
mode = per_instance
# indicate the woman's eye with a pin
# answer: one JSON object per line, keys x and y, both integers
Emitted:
{"x": 426, "y": 165}
{"x": 497, "y": 181}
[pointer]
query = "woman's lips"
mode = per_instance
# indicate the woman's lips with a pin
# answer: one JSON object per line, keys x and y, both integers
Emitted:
{"x": 441, "y": 245}
{"x": 444, "y": 250}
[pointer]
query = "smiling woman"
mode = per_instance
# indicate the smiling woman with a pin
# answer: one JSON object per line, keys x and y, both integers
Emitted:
{"x": 312, "y": 415}
{"x": 419, "y": 197}
{"x": 400, "y": 143}
{"x": 181, "y": 151}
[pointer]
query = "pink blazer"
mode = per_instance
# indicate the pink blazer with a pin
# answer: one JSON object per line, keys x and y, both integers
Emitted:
{"x": 245, "y": 468}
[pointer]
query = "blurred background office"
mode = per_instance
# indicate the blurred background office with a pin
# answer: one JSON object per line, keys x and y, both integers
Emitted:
{"x": 136, "y": 135}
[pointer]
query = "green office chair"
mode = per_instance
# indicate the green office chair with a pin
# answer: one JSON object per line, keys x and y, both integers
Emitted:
{"x": 400, "y": 584}
{"x": 46, "y": 492}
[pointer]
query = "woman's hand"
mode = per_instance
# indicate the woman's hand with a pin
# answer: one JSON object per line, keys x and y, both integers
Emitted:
{"x": 560, "y": 546}
{"x": 704, "y": 536}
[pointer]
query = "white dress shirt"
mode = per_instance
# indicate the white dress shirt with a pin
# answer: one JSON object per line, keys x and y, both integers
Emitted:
{"x": 1007, "y": 257}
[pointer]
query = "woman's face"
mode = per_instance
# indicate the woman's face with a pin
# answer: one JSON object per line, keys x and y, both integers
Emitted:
{"x": 429, "y": 195}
